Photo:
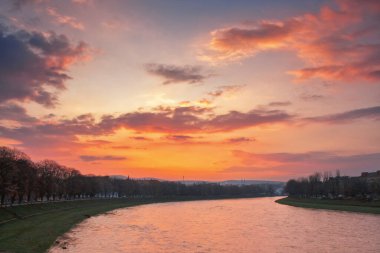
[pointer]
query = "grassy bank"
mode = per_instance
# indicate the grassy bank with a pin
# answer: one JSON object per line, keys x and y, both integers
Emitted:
{"x": 340, "y": 205}
{"x": 34, "y": 228}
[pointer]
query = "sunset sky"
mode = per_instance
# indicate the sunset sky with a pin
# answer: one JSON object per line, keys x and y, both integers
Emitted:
{"x": 205, "y": 89}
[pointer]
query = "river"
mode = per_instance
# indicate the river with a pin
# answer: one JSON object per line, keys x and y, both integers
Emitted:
{"x": 233, "y": 225}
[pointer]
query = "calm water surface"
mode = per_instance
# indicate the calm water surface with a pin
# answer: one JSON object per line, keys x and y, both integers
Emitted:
{"x": 238, "y": 226}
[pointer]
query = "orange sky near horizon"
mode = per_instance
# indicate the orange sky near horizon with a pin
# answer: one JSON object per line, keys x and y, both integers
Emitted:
{"x": 206, "y": 90}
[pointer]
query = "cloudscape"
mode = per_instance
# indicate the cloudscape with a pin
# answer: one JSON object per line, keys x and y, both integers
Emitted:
{"x": 238, "y": 89}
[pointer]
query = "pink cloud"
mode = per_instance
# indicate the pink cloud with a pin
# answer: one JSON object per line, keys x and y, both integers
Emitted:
{"x": 64, "y": 19}
{"x": 339, "y": 43}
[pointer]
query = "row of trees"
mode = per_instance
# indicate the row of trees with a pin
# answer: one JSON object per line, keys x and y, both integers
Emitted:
{"x": 25, "y": 181}
{"x": 327, "y": 185}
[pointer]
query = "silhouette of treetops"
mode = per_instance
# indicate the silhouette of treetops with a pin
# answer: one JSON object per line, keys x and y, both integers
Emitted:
{"x": 25, "y": 181}
{"x": 325, "y": 185}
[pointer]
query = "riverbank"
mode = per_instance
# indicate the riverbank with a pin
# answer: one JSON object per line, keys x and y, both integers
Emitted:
{"x": 34, "y": 228}
{"x": 339, "y": 205}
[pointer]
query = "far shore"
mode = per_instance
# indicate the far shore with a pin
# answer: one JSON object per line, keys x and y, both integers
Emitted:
{"x": 35, "y": 228}
{"x": 372, "y": 207}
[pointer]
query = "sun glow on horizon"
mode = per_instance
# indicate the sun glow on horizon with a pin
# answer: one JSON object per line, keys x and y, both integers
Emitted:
{"x": 242, "y": 89}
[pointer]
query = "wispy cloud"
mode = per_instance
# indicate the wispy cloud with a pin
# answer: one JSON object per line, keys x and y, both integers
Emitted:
{"x": 240, "y": 140}
{"x": 177, "y": 74}
{"x": 344, "y": 117}
{"x": 64, "y": 19}
{"x": 280, "y": 103}
{"x": 225, "y": 90}
{"x": 311, "y": 97}
{"x": 92, "y": 158}
{"x": 179, "y": 137}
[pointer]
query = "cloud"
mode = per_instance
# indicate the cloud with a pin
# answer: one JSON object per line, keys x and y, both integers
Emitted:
{"x": 225, "y": 90}
{"x": 18, "y": 4}
{"x": 14, "y": 112}
{"x": 179, "y": 138}
{"x": 240, "y": 140}
{"x": 303, "y": 164}
{"x": 344, "y": 117}
{"x": 179, "y": 123}
{"x": 64, "y": 19}
{"x": 140, "y": 138}
{"x": 92, "y": 158}
{"x": 99, "y": 142}
{"x": 237, "y": 120}
{"x": 280, "y": 103}
{"x": 235, "y": 42}
{"x": 176, "y": 122}
{"x": 176, "y": 74}
{"x": 82, "y": 1}
{"x": 33, "y": 65}
{"x": 340, "y": 42}
{"x": 311, "y": 97}
{"x": 121, "y": 147}
{"x": 192, "y": 119}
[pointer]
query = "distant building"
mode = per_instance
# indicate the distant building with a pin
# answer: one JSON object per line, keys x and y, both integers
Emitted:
{"x": 371, "y": 175}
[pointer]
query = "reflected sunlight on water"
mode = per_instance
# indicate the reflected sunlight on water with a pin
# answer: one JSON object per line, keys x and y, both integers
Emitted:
{"x": 240, "y": 225}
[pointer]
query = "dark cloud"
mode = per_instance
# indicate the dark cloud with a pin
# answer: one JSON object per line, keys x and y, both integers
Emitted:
{"x": 311, "y": 97}
{"x": 99, "y": 142}
{"x": 121, "y": 147}
{"x": 290, "y": 157}
{"x": 140, "y": 138}
{"x": 33, "y": 65}
{"x": 192, "y": 119}
{"x": 179, "y": 137}
{"x": 14, "y": 112}
{"x": 177, "y": 74}
{"x": 18, "y": 4}
{"x": 367, "y": 113}
{"x": 178, "y": 122}
{"x": 92, "y": 158}
{"x": 53, "y": 133}
{"x": 226, "y": 90}
{"x": 280, "y": 103}
{"x": 237, "y": 120}
{"x": 240, "y": 140}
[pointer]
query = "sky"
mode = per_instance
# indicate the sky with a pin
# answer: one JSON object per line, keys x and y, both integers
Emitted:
{"x": 206, "y": 90}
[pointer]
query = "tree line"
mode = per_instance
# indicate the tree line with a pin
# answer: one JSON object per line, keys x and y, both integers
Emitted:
{"x": 25, "y": 181}
{"x": 326, "y": 185}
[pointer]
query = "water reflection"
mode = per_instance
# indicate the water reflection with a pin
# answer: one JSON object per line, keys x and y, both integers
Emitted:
{"x": 241, "y": 225}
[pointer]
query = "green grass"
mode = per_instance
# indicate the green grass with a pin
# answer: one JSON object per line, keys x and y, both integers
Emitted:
{"x": 35, "y": 228}
{"x": 339, "y": 205}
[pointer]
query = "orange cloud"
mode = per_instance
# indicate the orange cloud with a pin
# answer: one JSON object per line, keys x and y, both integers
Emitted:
{"x": 234, "y": 43}
{"x": 341, "y": 43}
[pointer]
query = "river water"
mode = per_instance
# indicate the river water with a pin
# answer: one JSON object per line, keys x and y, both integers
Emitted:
{"x": 237, "y": 226}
